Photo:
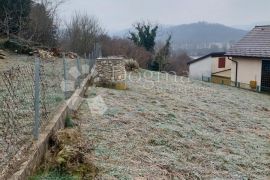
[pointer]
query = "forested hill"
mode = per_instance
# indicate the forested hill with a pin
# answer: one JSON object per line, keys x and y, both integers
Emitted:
{"x": 202, "y": 32}
{"x": 201, "y": 38}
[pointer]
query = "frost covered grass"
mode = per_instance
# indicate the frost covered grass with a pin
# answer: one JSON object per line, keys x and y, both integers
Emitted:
{"x": 16, "y": 124}
{"x": 175, "y": 130}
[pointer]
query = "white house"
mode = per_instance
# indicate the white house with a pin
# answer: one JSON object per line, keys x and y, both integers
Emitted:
{"x": 251, "y": 60}
{"x": 214, "y": 67}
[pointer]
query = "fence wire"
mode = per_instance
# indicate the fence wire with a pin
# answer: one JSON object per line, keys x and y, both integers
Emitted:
{"x": 17, "y": 97}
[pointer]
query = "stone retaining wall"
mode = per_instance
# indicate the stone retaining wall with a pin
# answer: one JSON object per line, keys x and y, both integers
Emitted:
{"x": 110, "y": 70}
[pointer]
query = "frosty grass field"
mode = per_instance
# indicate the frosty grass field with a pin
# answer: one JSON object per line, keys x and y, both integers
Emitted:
{"x": 184, "y": 129}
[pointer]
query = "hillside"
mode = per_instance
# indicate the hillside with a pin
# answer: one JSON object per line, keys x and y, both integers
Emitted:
{"x": 197, "y": 38}
{"x": 201, "y": 33}
{"x": 201, "y": 38}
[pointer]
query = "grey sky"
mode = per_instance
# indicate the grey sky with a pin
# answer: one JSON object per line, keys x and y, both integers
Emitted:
{"x": 121, "y": 14}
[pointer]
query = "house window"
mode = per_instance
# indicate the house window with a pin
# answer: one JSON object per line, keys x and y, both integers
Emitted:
{"x": 221, "y": 62}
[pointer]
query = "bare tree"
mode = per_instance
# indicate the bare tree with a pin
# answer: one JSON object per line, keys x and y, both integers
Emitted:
{"x": 51, "y": 5}
{"x": 178, "y": 63}
{"x": 125, "y": 47}
{"x": 13, "y": 16}
{"x": 82, "y": 33}
{"x": 5, "y": 23}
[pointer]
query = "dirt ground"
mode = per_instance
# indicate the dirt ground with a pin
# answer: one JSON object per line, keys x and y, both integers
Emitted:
{"x": 162, "y": 129}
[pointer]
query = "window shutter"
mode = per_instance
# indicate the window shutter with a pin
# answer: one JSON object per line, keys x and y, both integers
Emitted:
{"x": 221, "y": 62}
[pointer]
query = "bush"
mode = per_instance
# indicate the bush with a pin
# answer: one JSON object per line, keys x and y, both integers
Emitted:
{"x": 20, "y": 45}
{"x": 68, "y": 122}
{"x": 131, "y": 65}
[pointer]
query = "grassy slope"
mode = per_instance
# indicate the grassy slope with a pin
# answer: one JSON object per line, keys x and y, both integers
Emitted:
{"x": 14, "y": 60}
{"x": 184, "y": 129}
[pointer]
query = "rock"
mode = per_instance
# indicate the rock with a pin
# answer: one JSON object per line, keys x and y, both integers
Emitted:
{"x": 2, "y": 57}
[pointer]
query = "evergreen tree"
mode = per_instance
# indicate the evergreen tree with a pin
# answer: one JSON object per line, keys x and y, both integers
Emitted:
{"x": 145, "y": 36}
{"x": 41, "y": 27}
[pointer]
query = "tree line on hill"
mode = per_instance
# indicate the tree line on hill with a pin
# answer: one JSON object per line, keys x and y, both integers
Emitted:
{"x": 36, "y": 22}
{"x": 31, "y": 20}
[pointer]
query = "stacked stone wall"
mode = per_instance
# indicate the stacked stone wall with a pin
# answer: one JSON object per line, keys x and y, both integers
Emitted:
{"x": 110, "y": 70}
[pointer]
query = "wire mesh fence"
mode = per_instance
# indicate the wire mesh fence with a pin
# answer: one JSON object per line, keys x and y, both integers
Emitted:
{"x": 29, "y": 96}
{"x": 206, "y": 78}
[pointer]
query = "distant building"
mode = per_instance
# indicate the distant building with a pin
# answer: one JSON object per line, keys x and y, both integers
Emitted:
{"x": 251, "y": 60}
{"x": 214, "y": 67}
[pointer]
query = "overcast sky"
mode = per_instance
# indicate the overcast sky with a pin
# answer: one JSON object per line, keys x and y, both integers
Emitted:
{"x": 121, "y": 14}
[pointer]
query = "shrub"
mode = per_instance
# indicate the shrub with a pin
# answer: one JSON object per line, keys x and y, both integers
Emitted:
{"x": 131, "y": 65}
{"x": 18, "y": 45}
{"x": 68, "y": 122}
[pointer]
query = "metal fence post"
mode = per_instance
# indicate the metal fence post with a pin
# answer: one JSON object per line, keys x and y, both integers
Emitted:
{"x": 85, "y": 64}
{"x": 95, "y": 49}
{"x": 37, "y": 98}
{"x": 65, "y": 76}
{"x": 99, "y": 51}
{"x": 89, "y": 62}
{"x": 78, "y": 84}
